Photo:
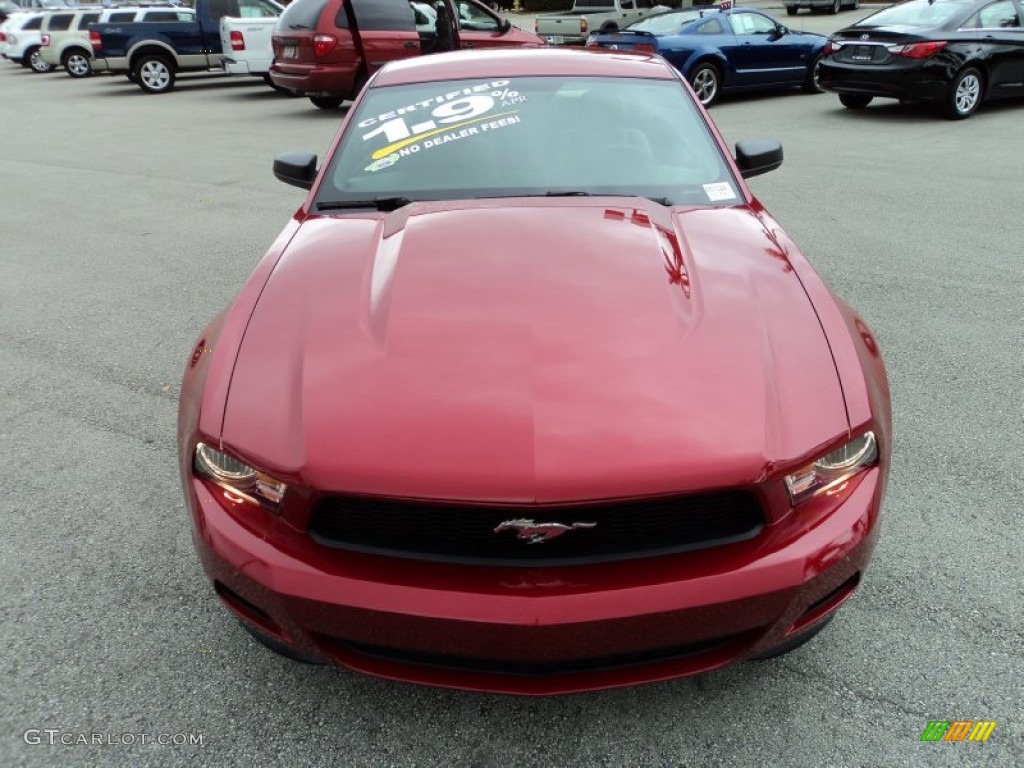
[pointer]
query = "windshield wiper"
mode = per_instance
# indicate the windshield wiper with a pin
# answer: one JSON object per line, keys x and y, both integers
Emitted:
{"x": 377, "y": 203}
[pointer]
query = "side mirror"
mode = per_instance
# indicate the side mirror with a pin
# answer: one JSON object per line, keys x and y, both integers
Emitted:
{"x": 504, "y": 26}
{"x": 777, "y": 33}
{"x": 296, "y": 168}
{"x": 757, "y": 156}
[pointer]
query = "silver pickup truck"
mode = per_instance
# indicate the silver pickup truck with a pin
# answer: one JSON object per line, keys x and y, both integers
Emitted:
{"x": 588, "y": 16}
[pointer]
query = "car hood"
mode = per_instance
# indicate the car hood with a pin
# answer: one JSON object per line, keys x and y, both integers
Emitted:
{"x": 534, "y": 353}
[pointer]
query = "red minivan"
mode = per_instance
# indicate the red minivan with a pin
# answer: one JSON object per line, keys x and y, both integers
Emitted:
{"x": 326, "y": 49}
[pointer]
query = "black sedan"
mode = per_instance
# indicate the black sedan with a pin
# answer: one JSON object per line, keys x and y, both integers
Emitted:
{"x": 956, "y": 53}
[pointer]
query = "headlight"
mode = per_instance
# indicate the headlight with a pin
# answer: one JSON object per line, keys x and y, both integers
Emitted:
{"x": 231, "y": 474}
{"x": 833, "y": 468}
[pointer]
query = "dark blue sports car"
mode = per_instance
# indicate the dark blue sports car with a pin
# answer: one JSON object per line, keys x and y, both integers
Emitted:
{"x": 724, "y": 50}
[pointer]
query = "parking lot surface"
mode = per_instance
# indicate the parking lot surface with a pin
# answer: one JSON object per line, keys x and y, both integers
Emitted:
{"x": 129, "y": 220}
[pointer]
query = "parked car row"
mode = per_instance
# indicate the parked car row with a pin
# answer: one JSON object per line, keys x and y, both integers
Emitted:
{"x": 957, "y": 53}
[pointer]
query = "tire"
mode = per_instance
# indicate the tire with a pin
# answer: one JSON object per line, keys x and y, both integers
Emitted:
{"x": 326, "y": 102}
{"x": 856, "y": 5}
{"x": 34, "y": 57}
{"x": 965, "y": 94}
{"x": 706, "y": 83}
{"x": 837, "y": 6}
{"x": 154, "y": 73}
{"x": 811, "y": 81}
{"x": 791, "y": 11}
{"x": 796, "y": 642}
{"x": 77, "y": 63}
{"x": 854, "y": 100}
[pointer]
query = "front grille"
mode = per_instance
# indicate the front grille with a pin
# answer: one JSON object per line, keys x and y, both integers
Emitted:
{"x": 466, "y": 533}
{"x": 540, "y": 668}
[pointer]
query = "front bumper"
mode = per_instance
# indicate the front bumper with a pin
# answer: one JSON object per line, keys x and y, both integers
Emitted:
{"x": 534, "y": 630}
{"x": 914, "y": 81}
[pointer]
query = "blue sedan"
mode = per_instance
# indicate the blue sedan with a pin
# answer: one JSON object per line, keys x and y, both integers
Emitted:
{"x": 724, "y": 50}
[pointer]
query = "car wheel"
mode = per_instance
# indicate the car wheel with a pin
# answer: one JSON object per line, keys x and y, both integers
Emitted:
{"x": 706, "y": 82}
{"x": 854, "y": 100}
{"x": 791, "y": 11}
{"x": 811, "y": 82}
{"x": 796, "y": 642}
{"x": 837, "y": 6}
{"x": 856, "y": 5}
{"x": 277, "y": 646}
{"x": 154, "y": 74}
{"x": 77, "y": 64}
{"x": 326, "y": 102}
{"x": 965, "y": 94}
{"x": 34, "y": 57}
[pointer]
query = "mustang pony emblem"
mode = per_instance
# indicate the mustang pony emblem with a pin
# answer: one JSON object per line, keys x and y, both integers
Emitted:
{"x": 535, "y": 533}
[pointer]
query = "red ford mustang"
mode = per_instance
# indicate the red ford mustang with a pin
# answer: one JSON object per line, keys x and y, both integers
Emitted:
{"x": 532, "y": 395}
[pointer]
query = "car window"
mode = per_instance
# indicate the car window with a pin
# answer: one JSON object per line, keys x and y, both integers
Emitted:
{"x": 58, "y": 22}
{"x": 664, "y": 23}
{"x": 117, "y": 18}
{"x": 221, "y": 8}
{"x": 626, "y": 5}
{"x": 493, "y": 138}
{"x": 426, "y": 17}
{"x": 304, "y": 14}
{"x": 163, "y": 16}
{"x": 473, "y": 18}
{"x": 34, "y": 23}
{"x": 917, "y": 13}
{"x": 1000, "y": 15}
{"x": 256, "y": 9}
{"x": 644, "y": 4}
{"x": 711, "y": 27}
{"x": 751, "y": 24}
{"x": 384, "y": 15}
{"x": 87, "y": 19}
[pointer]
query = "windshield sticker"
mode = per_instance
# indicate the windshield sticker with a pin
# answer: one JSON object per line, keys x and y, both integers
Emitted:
{"x": 453, "y": 116}
{"x": 384, "y": 162}
{"x": 719, "y": 191}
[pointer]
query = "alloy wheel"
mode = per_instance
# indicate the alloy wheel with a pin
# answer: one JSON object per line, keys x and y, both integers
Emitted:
{"x": 155, "y": 75}
{"x": 78, "y": 65}
{"x": 968, "y": 92}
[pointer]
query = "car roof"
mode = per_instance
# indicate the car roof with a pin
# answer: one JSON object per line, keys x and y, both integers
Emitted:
{"x": 523, "y": 62}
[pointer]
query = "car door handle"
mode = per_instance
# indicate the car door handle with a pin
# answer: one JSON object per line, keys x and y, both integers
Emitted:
{"x": 410, "y": 44}
{"x": 469, "y": 45}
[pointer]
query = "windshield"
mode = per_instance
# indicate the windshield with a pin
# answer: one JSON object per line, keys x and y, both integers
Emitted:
{"x": 917, "y": 13}
{"x": 529, "y": 136}
{"x": 664, "y": 23}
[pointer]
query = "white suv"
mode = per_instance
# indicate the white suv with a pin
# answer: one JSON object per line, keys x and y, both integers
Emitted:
{"x": 23, "y": 40}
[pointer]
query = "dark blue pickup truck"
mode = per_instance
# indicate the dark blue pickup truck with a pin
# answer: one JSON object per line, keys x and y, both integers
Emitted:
{"x": 154, "y": 51}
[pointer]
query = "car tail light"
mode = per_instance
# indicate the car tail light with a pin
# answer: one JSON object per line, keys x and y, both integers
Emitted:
{"x": 323, "y": 44}
{"x": 3, "y": 37}
{"x": 237, "y": 41}
{"x": 918, "y": 50}
{"x": 583, "y": 26}
{"x": 644, "y": 48}
{"x": 94, "y": 41}
{"x": 45, "y": 40}
{"x": 831, "y": 46}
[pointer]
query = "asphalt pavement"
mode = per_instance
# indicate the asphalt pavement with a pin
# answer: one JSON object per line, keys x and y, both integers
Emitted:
{"x": 127, "y": 221}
